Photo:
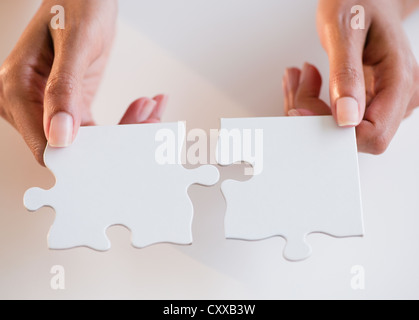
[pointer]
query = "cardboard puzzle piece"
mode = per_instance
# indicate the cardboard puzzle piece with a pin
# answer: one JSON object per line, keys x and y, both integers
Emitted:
{"x": 111, "y": 176}
{"x": 306, "y": 181}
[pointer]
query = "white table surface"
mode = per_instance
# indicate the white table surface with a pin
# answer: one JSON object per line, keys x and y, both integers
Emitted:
{"x": 216, "y": 59}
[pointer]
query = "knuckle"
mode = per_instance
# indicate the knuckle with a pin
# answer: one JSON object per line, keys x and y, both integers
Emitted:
{"x": 347, "y": 74}
{"x": 12, "y": 74}
{"x": 6, "y": 81}
{"x": 63, "y": 84}
{"x": 18, "y": 84}
{"x": 17, "y": 81}
{"x": 379, "y": 143}
{"x": 5, "y": 92}
{"x": 4, "y": 74}
{"x": 334, "y": 16}
{"x": 37, "y": 147}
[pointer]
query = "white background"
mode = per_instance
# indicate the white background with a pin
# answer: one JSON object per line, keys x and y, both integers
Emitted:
{"x": 216, "y": 59}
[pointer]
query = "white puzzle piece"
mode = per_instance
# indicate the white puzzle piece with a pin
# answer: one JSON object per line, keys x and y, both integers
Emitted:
{"x": 110, "y": 176}
{"x": 306, "y": 181}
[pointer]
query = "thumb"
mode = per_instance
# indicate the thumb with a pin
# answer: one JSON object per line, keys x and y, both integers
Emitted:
{"x": 63, "y": 95}
{"x": 347, "y": 83}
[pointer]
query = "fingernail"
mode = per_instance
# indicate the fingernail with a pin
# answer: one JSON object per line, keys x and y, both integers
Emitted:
{"x": 294, "y": 113}
{"x": 145, "y": 109}
{"x": 347, "y": 112}
{"x": 61, "y": 130}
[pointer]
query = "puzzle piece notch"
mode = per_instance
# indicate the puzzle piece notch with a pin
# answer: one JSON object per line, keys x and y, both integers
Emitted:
{"x": 206, "y": 175}
{"x": 308, "y": 183}
{"x": 102, "y": 182}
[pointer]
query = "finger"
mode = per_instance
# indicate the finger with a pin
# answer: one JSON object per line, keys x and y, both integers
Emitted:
{"x": 307, "y": 100}
{"x": 301, "y": 112}
{"x": 63, "y": 102}
{"x": 139, "y": 111}
{"x": 22, "y": 106}
{"x": 290, "y": 83}
{"x": 285, "y": 91}
{"x": 386, "y": 111}
{"x": 27, "y": 117}
{"x": 344, "y": 47}
{"x": 161, "y": 104}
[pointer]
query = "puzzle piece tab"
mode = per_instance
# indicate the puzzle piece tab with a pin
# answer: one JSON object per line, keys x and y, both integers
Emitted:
{"x": 306, "y": 180}
{"x": 111, "y": 176}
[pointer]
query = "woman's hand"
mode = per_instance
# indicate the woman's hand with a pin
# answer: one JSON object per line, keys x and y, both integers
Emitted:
{"x": 374, "y": 76}
{"x": 49, "y": 80}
